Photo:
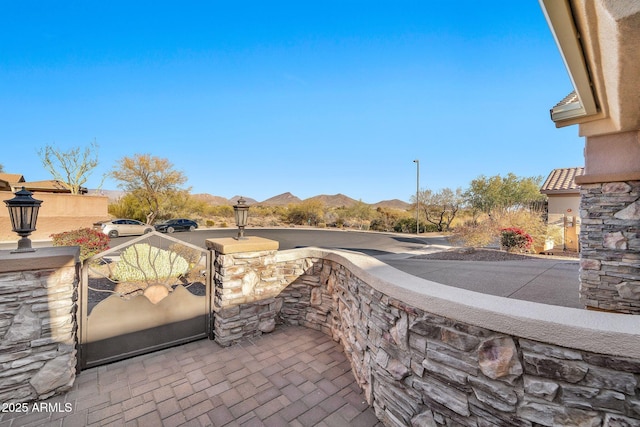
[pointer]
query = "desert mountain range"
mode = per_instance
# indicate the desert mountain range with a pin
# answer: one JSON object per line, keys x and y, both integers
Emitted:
{"x": 284, "y": 199}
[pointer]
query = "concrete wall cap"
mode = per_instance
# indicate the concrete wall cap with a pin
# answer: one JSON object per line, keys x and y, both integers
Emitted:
{"x": 229, "y": 245}
{"x": 41, "y": 259}
{"x": 568, "y": 327}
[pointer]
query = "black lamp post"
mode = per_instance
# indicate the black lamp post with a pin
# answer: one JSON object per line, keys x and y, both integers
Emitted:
{"x": 23, "y": 211}
{"x": 241, "y": 211}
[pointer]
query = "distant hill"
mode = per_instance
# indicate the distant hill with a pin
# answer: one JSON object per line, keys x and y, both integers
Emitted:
{"x": 392, "y": 204}
{"x": 248, "y": 200}
{"x": 113, "y": 195}
{"x": 283, "y": 199}
{"x": 335, "y": 201}
{"x": 212, "y": 200}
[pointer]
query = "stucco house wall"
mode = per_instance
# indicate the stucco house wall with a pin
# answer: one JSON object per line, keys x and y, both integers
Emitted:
{"x": 563, "y": 208}
{"x": 566, "y": 204}
{"x": 58, "y": 212}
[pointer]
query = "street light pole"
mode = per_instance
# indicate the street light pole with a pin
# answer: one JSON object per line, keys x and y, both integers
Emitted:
{"x": 417, "y": 162}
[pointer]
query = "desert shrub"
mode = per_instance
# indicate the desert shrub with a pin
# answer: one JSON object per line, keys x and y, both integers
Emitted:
{"x": 379, "y": 224}
{"x": 91, "y": 241}
{"x": 408, "y": 225}
{"x": 532, "y": 221}
{"x": 474, "y": 234}
{"x": 308, "y": 212}
{"x": 143, "y": 262}
{"x": 210, "y": 223}
{"x": 485, "y": 231}
{"x": 515, "y": 239}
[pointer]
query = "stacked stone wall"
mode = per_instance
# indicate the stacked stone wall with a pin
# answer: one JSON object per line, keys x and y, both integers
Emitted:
{"x": 417, "y": 368}
{"x": 245, "y": 288}
{"x": 421, "y": 369}
{"x": 610, "y": 246}
{"x": 37, "y": 327}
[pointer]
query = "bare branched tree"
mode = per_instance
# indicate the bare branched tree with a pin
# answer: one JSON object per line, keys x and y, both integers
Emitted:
{"x": 71, "y": 167}
{"x": 440, "y": 208}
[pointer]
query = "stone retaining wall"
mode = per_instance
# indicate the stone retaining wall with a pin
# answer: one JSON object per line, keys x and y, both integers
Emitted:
{"x": 426, "y": 354}
{"x": 38, "y": 293}
{"x": 610, "y": 241}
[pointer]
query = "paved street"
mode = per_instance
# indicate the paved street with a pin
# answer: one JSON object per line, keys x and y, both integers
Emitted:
{"x": 546, "y": 280}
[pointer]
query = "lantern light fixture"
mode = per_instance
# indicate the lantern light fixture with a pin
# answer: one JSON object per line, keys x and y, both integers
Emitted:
{"x": 241, "y": 212}
{"x": 23, "y": 212}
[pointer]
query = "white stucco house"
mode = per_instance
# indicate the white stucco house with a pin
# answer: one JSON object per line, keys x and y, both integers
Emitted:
{"x": 563, "y": 197}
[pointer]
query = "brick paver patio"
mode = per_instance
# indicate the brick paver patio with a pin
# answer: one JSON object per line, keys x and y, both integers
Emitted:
{"x": 291, "y": 377}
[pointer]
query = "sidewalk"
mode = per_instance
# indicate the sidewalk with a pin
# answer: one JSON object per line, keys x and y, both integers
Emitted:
{"x": 292, "y": 377}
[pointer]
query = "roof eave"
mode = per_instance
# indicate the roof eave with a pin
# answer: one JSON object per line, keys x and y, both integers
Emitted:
{"x": 562, "y": 25}
{"x": 568, "y": 112}
{"x": 575, "y": 191}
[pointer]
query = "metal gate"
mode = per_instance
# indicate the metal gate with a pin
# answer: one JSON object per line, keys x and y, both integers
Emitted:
{"x": 150, "y": 293}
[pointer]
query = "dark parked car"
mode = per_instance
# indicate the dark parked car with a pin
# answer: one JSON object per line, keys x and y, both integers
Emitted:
{"x": 180, "y": 224}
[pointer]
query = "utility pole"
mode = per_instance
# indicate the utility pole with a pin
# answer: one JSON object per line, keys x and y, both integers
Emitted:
{"x": 417, "y": 162}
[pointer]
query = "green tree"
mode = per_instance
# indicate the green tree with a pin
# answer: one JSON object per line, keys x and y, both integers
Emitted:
{"x": 511, "y": 201}
{"x": 497, "y": 195}
{"x": 71, "y": 167}
{"x": 150, "y": 179}
{"x": 128, "y": 206}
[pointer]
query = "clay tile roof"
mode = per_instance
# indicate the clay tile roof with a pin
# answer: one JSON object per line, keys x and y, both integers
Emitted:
{"x": 562, "y": 181}
{"x": 569, "y": 99}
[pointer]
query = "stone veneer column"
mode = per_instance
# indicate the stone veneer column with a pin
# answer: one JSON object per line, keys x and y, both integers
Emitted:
{"x": 610, "y": 246}
{"x": 38, "y": 324}
{"x": 610, "y": 233}
{"x": 245, "y": 283}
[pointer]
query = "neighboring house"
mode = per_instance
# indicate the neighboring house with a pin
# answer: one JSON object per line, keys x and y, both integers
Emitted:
{"x": 48, "y": 186}
{"x": 562, "y": 192}
{"x": 564, "y": 204}
{"x": 60, "y": 210}
{"x": 8, "y": 181}
{"x": 14, "y": 182}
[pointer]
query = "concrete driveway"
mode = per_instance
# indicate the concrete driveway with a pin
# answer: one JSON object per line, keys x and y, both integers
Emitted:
{"x": 547, "y": 281}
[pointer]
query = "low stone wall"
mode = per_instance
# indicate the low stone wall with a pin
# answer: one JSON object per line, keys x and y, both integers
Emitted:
{"x": 427, "y": 354}
{"x": 38, "y": 293}
{"x": 610, "y": 241}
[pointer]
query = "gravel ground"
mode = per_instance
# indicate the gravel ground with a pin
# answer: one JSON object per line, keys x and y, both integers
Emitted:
{"x": 471, "y": 254}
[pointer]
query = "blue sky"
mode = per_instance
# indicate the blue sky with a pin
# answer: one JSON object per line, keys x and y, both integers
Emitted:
{"x": 259, "y": 98}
